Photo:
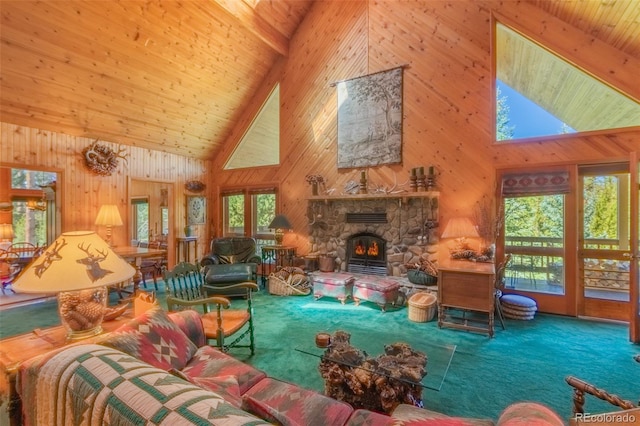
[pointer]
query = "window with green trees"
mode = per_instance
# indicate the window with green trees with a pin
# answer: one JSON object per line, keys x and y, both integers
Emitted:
{"x": 249, "y": 212}
{"x": 29, "y": 216}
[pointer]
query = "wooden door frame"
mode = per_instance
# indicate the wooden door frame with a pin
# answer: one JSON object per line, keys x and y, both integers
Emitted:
{"x": 634, "y": 283}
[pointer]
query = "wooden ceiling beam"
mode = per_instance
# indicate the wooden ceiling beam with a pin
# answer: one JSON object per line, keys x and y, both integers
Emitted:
{"x": 253, "y": 22}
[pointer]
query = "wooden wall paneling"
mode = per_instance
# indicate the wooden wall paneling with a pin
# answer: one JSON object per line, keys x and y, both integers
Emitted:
{"x": 83, "y": 192}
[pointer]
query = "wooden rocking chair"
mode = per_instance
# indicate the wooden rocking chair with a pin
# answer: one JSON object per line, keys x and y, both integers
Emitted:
{"x": 185, "y": 287}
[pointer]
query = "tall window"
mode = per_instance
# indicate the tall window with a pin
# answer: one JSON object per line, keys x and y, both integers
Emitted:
{"x": 31, "y": 202}
{"x": 538, "y": 93}
{"x": 534, "y": 235}
{"x": 249, "y": 212}
{"x": 534, "y": 230}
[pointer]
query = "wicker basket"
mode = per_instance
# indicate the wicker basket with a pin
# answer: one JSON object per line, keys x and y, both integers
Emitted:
{"x": 419, "y": 277}
{"x": 422, "y": 307}
{"x": 281, "y": 287}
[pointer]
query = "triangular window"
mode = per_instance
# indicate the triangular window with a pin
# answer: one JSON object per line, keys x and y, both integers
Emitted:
{"x": 540, "y": 94}
{"x": 260, "y": 145}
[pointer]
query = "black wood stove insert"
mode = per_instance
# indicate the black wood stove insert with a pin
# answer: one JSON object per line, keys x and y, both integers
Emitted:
{"x": 367, "y": 254}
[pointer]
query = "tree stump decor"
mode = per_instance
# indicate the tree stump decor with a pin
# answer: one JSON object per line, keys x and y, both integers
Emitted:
{"x": 375, "y": 383}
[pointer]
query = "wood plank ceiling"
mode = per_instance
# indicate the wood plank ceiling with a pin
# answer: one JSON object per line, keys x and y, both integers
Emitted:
{"x": 175, "y": 76}
{"x": 171, "y": 76}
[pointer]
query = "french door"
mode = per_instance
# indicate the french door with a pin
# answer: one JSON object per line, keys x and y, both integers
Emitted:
{"x": 575, "y": 250}
{"x": 604, "y": 253}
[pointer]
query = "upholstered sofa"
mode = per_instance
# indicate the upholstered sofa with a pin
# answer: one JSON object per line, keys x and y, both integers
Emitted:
{"x": 156, "y": 369}
{"x": 231, "y": 260}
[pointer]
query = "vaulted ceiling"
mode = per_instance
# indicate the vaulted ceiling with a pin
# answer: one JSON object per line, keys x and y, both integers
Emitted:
{"x": 175, "y": 76}
{"x": 167, "y": 75}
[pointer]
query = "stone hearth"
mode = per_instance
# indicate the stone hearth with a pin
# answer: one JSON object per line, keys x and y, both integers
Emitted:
{"x": 410, "y": 227}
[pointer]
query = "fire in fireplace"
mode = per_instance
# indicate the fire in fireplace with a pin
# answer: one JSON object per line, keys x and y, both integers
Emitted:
{"x": 366, "y": 254}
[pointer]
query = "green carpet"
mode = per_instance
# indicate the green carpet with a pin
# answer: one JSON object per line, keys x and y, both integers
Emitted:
{"x": 526, "y": 362}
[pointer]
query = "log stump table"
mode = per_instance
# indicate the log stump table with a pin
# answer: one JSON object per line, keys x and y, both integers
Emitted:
{"x": 377, "y": 383}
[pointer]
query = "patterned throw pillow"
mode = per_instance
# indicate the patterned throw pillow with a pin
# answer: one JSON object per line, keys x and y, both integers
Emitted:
{"x": 155, "y": 339}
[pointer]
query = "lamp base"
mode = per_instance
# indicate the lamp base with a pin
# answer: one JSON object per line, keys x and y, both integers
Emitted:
{"x": 279, "y": 236}
{"x": 82, "y": 311}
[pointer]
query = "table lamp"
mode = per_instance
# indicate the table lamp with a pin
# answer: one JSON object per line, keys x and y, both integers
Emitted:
{"x": 280, "y": 223}
{"x": 6, "y": 235}
{"x": 460, "y": 228}
{"x": 78, "y": 266}
{"x": 109, "y": 216}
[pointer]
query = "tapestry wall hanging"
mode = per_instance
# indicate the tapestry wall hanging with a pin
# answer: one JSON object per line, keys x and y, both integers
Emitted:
{"x": 370, "y": 120}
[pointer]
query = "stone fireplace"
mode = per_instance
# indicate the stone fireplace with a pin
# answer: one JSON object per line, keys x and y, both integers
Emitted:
{"x": 405, "y": 226}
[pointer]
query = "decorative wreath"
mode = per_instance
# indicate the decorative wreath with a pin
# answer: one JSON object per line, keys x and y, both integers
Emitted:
{"x": 101, "y": 159}
{"x": 194, "y": 186}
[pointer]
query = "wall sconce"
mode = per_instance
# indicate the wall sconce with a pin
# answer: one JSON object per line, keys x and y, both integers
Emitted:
{"x": 460, "y": 228}
{"x": 78, "y": 266}
{"x": 280, "y": 223}
{"x": 109, "y": 216}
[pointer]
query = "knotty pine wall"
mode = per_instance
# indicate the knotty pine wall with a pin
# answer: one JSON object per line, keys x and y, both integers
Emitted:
{"x": 445, "y": 47}
{"x": 448, "y": 94}
{"x": 83, "y": 192}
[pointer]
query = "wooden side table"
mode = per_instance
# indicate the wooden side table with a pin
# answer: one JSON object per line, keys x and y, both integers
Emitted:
{"x": 15, "y": 349}
{"x": 466, "y": 286}
{"x": 183, "y": 249}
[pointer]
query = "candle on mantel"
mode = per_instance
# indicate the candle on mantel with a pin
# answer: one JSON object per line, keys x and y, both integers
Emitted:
{"x": 431, "y": 170}
{"x": 413, "y": 171}
{"x": 363, "y": 175}
{"x": 421, "y": 171}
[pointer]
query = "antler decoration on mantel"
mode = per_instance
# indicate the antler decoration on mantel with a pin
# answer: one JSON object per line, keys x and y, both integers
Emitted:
{"x": 101, "y": 159}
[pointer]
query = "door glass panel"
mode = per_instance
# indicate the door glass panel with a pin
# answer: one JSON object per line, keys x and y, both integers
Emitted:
{"x": 534, "y": 235}
{"x": 233, "y": 215}
{"x": 140, "y": 210}
{"x": 605, "y": 265}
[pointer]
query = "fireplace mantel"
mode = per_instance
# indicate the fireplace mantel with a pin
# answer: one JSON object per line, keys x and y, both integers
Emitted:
{"x": 352, "y": 197}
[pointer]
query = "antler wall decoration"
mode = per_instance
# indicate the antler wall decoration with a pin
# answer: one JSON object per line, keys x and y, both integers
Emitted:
{"x": 101, "y": 159}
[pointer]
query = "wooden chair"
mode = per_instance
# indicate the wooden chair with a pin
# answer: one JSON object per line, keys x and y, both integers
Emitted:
{"x": 185, "y": 291}
{"x": 580, "y": 388}
{"x": 9, "y": 268}
{"x": 152, "y": 267}
{"x": 499, "y": 286}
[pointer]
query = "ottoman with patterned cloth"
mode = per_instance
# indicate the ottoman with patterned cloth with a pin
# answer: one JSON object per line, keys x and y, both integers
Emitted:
{"x": 379, "y": 290}
{"x": 518, "y": 307}
{"x": 332, "y": 284}
{"x": 287, "y": 404}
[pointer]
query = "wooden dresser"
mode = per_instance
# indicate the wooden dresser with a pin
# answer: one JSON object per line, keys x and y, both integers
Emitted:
{"x": 466, "y": 289}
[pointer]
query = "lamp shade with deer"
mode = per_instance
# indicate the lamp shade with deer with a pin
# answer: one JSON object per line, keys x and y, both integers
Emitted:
{"x": 78, "y": 266}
